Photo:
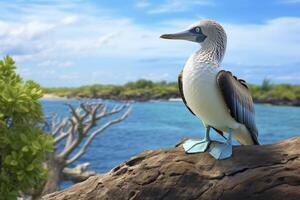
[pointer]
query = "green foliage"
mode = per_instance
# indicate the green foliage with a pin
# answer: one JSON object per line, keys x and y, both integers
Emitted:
{"x": 22, "y": 144}
{"x": 140, "y": 84}
{"x": 145, "y": 89}
{"x": 140, "y": 89}
{"x": 278, "y": 91}
{"x": 266, "y": 85}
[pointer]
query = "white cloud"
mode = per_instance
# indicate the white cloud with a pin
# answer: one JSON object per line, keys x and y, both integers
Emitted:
{"x": 55, "y": 64}
{"x": 26, "y": 31}
{"x": 69, "y": 20}
{"x": 274, "y": 42}
{"x": 287, "y": 78}
{"x": 142, "y": 4}
{"x": 61, "y": 41}
{"x": 178, "y": 5}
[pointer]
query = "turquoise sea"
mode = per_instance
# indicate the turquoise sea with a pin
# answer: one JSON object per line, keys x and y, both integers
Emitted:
{"x": 154, "y": 125}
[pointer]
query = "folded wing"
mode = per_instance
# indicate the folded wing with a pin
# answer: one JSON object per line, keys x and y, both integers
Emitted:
{"x": 238, "y": 101}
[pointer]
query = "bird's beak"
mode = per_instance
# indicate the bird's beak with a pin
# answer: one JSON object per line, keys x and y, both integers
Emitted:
{"x": 185, "y": 35}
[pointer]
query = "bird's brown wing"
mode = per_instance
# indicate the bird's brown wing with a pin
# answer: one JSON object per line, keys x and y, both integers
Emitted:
{"x": 238, "y": 101}
{"x": 184, "y": 101}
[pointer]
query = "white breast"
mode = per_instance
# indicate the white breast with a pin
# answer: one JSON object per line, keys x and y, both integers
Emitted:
{"x": 203, "y": 96}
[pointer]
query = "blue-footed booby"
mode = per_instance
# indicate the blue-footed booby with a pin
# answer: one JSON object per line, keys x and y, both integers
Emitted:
{"x": 222, "y": 101}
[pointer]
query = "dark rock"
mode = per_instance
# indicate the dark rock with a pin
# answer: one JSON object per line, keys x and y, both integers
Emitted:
{"x": 279, "y": 101}
{"x": 253, "y": 172}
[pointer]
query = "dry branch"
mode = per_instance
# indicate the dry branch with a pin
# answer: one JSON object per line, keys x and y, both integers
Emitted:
{"x": 78, "y": 173}
{"x": 79, "y": 129}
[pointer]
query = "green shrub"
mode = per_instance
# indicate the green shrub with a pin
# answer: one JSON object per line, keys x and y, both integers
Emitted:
{"x": 165, "y": 90}
{"x": 23, "y": 145}
{"x": 266, "y": 84}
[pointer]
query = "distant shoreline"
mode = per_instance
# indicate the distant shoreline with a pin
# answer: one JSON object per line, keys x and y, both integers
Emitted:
{"x": 146, "y": 90}
{"x": 52, "y": 97}
{"x": 278, "y": 101}
{"x": 141, "y": 98}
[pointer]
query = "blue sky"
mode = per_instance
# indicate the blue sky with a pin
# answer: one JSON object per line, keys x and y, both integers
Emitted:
{"x": 71, "y": 43}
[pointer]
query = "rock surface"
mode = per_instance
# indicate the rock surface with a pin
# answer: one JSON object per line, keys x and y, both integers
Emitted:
{"x": 253, "y": 172}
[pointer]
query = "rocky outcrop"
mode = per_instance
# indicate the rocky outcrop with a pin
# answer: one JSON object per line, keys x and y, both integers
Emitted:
{"x": 253, "y": 172}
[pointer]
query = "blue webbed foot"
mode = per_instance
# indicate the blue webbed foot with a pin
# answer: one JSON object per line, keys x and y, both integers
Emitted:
{"x": 195, "y": 146}
{"x": 220, "y": 151}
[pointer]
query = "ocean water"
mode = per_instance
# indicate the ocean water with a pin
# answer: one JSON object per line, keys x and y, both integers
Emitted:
{"x": 155, "y": 125}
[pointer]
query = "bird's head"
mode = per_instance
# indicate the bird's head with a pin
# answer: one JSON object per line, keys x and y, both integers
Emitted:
{"x": 205, "y": 32}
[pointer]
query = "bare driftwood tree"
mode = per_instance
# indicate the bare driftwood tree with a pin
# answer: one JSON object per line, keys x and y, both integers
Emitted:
{"x": 70, "y": 133}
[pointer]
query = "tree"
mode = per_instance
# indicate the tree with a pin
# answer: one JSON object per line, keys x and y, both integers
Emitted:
{"x": 73, "y": 135}
{"x": 266, "y": 85}
{"x": 23, "y": 145}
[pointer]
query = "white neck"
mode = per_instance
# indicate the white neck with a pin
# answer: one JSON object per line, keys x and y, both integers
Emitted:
{"x": 210, "y": 53}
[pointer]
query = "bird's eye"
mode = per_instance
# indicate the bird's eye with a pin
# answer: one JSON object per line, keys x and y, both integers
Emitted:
{"x": 197, "y": 29}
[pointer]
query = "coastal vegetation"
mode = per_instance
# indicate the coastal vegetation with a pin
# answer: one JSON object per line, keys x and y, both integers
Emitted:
{"x": 23, "y": 146}
{"x": 143, "y": 90}
{"x": 38, "y": 152}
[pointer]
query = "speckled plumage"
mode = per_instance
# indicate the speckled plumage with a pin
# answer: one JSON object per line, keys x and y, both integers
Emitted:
{"x": 218, "y": 98}
{"x": 203, "y": 95}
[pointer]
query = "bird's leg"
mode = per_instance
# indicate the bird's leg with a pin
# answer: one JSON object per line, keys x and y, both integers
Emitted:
{"x": 197, "y": 146}
{"x": 222, "y": 151}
